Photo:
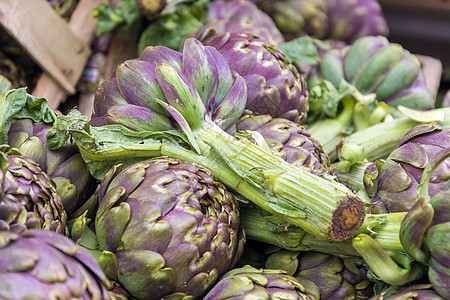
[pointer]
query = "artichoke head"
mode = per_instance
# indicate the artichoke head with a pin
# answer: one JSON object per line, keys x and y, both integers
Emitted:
{"x": 166, "y": 228}
{"x": 40, "y": 264}
{"x": 251, "y": 283}
{"x": 275, "y": 87}
{"x": 64, "y": 166}
{"x": 394, "y": 182}
{"x": 28, "y": 196}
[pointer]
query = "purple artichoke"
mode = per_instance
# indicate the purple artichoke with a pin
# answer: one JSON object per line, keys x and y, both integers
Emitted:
{"x": 250, "y": 283}
{"x": 64, "y": 166}
{"x": 40, "y": 264}
{"x": 297, "y": 18}
{"x": 275, "y": 87}
{"x": 170, "y": 227}
{"x": 413, "y": 292}
{"x": 239, "y": 16}
{"x": 374, "y": 65}
{"x": 349, "y": 19}
{"x": 330, "y": 277}
{"x": 28, "y": 196}
{"x": 288, "y": 140}
{"x": 394, "y": 182}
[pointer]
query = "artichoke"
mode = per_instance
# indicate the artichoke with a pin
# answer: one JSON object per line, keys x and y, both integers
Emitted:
{"x": 374, "y": 65}
{"x": 167, "y": 228}
{"x": 64, "y": 166}
{"x": 40, "y": 264}
{"x": 297, "y": 18}
{"x": 349, "y": 20}
{"x": 329, "y": 276}
{"x": 426, "y": 228}
{"x": 239, "y": 16}
{"x": 28, "y": 196}
{"x": 250, "y": 283}
{"x": 413, "y": 292}
{"x": 392, "y": 183}
{"x": 288, "y": 140}
{"x": 183, "y": 105}
{"x": 275, "y": 87}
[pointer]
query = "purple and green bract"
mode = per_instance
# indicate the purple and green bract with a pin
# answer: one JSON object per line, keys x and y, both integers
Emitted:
{"x": 274, "y": 85}
{"x": 41, "y": 264}
{"x": 394, "y": 182}
{"x": 172, "y": 228}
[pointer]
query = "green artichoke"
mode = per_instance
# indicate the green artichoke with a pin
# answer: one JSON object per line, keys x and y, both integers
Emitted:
{"x": 288, "y": 140}
{"x": 239, "y": 16}
{"x": 28, "y": 196}
{"x": 331, "y": 277}
{"x": 392, "y": 183}
{"x": 64, "y": 166}
{"x": 250, "y": 283}
{"x": 167, "y": 228}
{"x": 275, "y": 87}
{"x": 40, "y": 264}
{"x": 374, "y": 65}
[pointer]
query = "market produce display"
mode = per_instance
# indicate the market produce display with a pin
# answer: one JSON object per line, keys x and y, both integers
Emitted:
{"x": 249, "y": 150}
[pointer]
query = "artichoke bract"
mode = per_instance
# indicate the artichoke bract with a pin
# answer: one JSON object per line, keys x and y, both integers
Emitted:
{"x": 171, "y": 228}
{"x": 28, "y": 196}
{"x": 251, "y": 283}
{"x": 393, "y": 182}
{"x": 331, "y": 277}
{"x": 40, "y": 264}
{"x": 239, "y": 16}
{"x": 374, "y": 65}
{"x": 275, "y": 87}
{"x": 288, "y": 140}
{"x": 64, "y": 166}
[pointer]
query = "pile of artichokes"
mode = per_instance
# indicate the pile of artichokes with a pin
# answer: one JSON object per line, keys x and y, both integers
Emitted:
{"x": 255, "y": 158}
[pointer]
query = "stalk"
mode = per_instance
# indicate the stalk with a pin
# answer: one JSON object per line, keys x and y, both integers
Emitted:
{"x": 101, "y": 149}
{"x": 354, "y": 179}
{"x": 330, "y": 131}
{"x": 383, "y": 228}
{"x": 381, "y": 139}
{"x": 320, "y": 206}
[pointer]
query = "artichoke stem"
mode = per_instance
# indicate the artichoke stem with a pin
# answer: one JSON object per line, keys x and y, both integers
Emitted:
{"x": 320, "y": 206}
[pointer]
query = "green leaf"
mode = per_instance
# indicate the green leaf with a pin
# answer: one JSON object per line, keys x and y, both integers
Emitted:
{"x": 108, "y": 19}
{"x": 170, "y": 30}
{"x": 303, "y": 49}
{"x": 17, "y": 104}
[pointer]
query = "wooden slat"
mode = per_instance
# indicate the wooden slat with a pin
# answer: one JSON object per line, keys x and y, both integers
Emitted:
{"x": 82, "y": 24}
{"x": 47, "y": 38}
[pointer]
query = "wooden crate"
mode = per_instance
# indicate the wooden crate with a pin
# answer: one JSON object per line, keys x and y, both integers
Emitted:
{"x": 60, "y": 48}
